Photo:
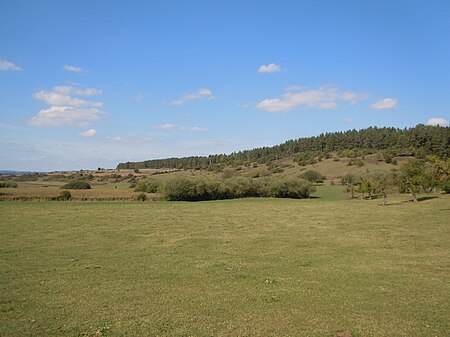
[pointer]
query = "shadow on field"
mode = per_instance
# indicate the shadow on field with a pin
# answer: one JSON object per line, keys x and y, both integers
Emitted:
{"x": 427, "y": 198}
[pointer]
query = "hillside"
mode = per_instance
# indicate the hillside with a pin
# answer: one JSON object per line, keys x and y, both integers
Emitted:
{"x": 387, "y": 143}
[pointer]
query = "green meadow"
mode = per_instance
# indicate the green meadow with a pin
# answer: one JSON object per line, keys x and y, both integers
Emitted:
{"x": 252, "y": 267}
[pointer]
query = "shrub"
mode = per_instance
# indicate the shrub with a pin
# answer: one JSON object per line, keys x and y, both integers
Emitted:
{"x": 290, "y": 188}
{"x": 149, "y": 186}
{"x": 141, "y": 197}
{"x": 65, "y": 195}
{"x": 183, "y": 189}
{"x": 313, "y": 176}
{"x": 5, "y": 184}
{"x": 77, "y": 185}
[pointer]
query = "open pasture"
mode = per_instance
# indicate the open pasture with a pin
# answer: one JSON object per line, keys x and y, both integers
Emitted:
{"x": 253, "y": 267}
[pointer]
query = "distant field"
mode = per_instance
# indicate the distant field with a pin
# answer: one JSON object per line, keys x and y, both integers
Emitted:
{"x": 252, "y": 267}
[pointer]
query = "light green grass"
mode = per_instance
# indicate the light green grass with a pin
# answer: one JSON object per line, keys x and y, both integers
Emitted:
{"x": 255, "y": 267}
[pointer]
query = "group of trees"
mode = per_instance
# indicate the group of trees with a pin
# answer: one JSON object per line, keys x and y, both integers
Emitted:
{"x": 420, "y": 140}
{"x": 416, "y": 176}
{"x": 199, "y": 189}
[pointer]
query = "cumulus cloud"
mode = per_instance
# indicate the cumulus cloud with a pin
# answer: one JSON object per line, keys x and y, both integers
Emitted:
{"x": 66, "y": 109}
{"x": 88, "y": 133}
{"x": 66, "y": 116}
{"x": 438, "y": 121}
{"x": 183, "y": 128}
{"x": 270, "y": 68}
{"x": 69, "y": 90}
{"x": 6, "y": 65}
{"x": 385, "y": 104}
{"x": 200, "y": 94}
{"x": 72, "y": 69}
{"x": 326, "y": 97}
{"x": 57, "y": 98}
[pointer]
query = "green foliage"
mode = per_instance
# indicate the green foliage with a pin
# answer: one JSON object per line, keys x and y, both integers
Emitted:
{"x": 183, "y": 189}
{"x": 7, "y": 184}
{"x": 148, "y": 185}
{"x": 290, "y": 188}
{"x": 141, "y": 197}
{"x": 350, "y": 181}
{"x": 421, "y": 140}
{"x": 418, "y": 176}
{"x": 77, "y": 185}
{"x": 65, "y": 196}
{"x": 313, "y": 176}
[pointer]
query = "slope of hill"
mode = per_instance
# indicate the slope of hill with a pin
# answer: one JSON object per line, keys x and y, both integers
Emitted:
{"x": 417, "y": 141}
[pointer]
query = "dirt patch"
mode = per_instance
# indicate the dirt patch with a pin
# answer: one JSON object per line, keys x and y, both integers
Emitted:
{"x": 343, "y": 333}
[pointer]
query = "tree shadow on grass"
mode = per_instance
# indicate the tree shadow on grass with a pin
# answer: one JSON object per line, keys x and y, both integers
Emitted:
{"x": 427, "y": 198}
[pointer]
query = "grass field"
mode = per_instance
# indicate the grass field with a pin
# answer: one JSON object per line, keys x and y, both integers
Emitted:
{"x": 253, "y": 267}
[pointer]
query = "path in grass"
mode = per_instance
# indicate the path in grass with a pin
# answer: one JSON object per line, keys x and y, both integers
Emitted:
{"x": 256, "y": 267}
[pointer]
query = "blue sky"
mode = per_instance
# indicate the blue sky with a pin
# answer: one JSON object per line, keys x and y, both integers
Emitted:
{"x": 85, "y": 84}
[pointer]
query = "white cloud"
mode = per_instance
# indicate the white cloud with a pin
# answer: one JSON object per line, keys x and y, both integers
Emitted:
{"x": 326, "y": 97}
{"x": 348, "y": 120}
{"x": 193, "y": 128}
{"x": 65, "y": 109}
{"x": 68, "y": 90}
{"x": 384, "y": 104}
{"x": 270, "y": 68}
{"x": 56, "y": 98}
{"x": 200, "y": 94}
{"x": 72, "y": 69}
{"x": 183, "y": 128}
{"x": 438, "y": 121}
{"x": 6, "y": 65}
{"x": 131, "y": 139}
{"x": 166, "y": 126}
{"x": 66, "y": 116}
{"x": 89, "y": 133}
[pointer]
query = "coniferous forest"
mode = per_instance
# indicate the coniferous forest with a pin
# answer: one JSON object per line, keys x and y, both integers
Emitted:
{"x": 417, "y": 141}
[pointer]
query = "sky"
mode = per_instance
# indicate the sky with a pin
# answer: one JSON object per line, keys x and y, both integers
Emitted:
{"x": 87, "y": 84}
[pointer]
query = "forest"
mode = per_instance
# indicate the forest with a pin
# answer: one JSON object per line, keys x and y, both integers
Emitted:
{"x": 417, "y": 141}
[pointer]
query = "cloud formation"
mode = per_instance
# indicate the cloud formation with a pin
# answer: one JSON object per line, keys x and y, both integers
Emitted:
{"x": 385, "y": 104}
{"x": 66, "y": 116}
{"x": 72, "y": 69}
{"x": 270, "y": 68}
{"x": 9, "y": 66}
{"x": 200, "y": 94}
{"x": 326, "y": 97}
{"x": 66, "y": 109}
{"x": 169, "y": 127}
{"x": 438, "y": 121}
{"x": 88, "y": 133}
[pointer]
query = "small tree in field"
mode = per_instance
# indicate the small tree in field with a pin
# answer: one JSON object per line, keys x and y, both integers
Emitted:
{"x": 385, "y": 183}
{"x": 417, "y": 176}
{"x": 349, "y": 180}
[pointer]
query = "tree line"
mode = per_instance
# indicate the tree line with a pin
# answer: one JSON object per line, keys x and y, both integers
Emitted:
{"x": 417, "y": 141}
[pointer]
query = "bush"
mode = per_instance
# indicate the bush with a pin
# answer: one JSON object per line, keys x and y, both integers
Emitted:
{"x": 77, "y": 185}
{"x": 65, "y": 196}
{"x": 149, "y": 186}
{"x": 313, "y": 176}
{"x": 141, "y": 197}
{"x": 5, "y": 184}
{"x": 290, "y": 188}
{"x": 183, "y": 189}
